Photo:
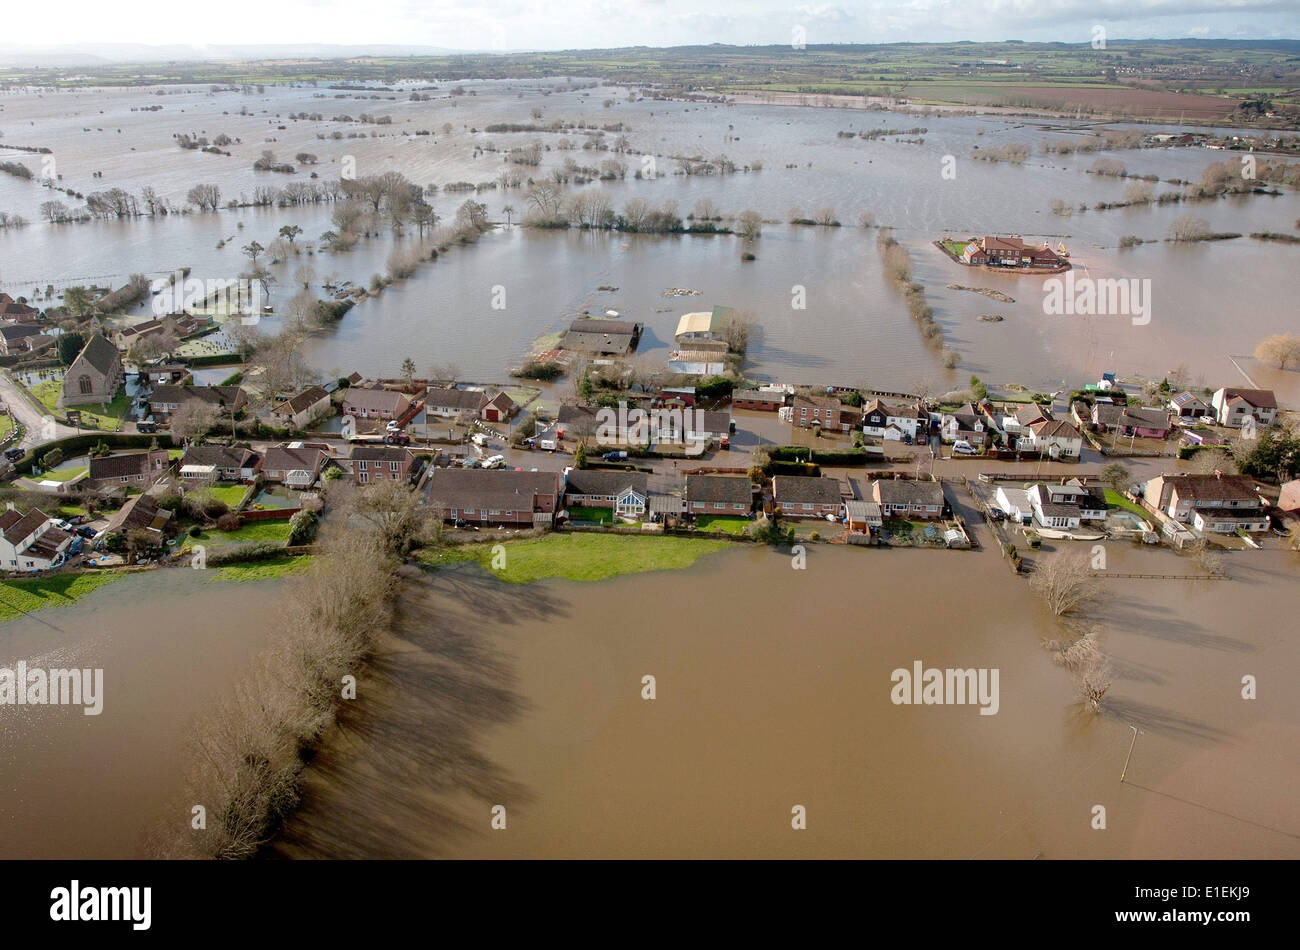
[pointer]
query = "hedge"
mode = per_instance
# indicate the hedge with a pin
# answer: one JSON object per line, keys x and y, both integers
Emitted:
{"x": 793, "y": 468}
{"x": 216, "y": 359}
{"x": 76, "y": 445}
{"x": 801, "y": 453}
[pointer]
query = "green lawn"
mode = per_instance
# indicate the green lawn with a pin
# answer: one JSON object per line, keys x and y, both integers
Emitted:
{"x": 955, "y": 247}
{"x": 263, "y": 570}
{"x": 725, "y": 523}
{"x": 581, "y": 557}
{"x": 1115, "y": 500}
{"x": 253, "y": 531}
{"x": 592, "y": 514}
{"x": 232, "y": 495}
{"x": 63, "y": 474}
{"x": 91, "y": 415}
{"x": 24, "y": 596}
{"x": 6, "y": 425}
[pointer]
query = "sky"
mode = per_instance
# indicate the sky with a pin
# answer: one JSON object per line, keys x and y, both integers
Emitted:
{"x": 586, "y": 24}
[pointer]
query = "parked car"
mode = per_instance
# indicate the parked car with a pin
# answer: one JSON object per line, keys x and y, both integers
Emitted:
{"x": 86, "y": 531}
{"x": 614, "y": 456}
{"x": 393, "y": 426}
{"x": 470, "y": 463}
{"x": 496, "y": 461}
{"x": 962, "y": 447}
{"x": 14, "y": 454}
{"x": 148, "y": 425}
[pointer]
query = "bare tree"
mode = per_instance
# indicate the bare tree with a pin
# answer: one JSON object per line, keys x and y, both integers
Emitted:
{"x": 193, "y": 419}
{"x": 1280, "y": 348}
{"x": 1065, "y": 581}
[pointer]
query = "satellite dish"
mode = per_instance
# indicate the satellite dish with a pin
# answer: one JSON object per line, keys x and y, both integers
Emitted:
{"x": 611, "y": 313}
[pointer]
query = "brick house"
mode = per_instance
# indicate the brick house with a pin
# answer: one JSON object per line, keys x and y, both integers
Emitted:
{"x": 376, "y": 403}
{"x": 167, "y": 399}
{"x": 128, "y": 470}
{"x": 227, "y": 463}
{"x": 498, "y": 408}
{"x": 825, "y": 412}
{"x": 14, "y": 337}
{"x": 803, "y": 496}
{"x": 1214, "y": 503}
{"x": 494, "y": 496}
{"x": 378, "y": 463}
{"x": 625, "y": 493}
{"x": 719, "y": 495}
{"x": 757, "y": 400}
{"x": 303, "y": 409}
{"x": 294, "y": 464}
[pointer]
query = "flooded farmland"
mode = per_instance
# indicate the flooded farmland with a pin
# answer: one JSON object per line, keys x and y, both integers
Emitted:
{"x": 853, "y": 328}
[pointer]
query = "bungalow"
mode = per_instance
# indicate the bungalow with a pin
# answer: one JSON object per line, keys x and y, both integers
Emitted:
{"x": 1015, "y": 503}
{"x": 964, "y": 422}
{"x": 1187, "y": 405}
{"x": 825, "y": 412}
{"x": 1233, "y": 406}
{"x": 1216, "y": 503}
{"x": 167, "y": 399}
{"x": 375, "y": 463}
{"x": 907, "y": 498}
{"x": 803, "y": 496}
{"x": 294, "y": 464}
{"x": 376, "y": 403}
{"x": 450, "y": 403}
{"x": 303, "y": 409}
{"x": 719, "y": 495}
{"x": 883, "y": 421}
{"x": 624, "y": 492}
{"x": 1054, "y": 506}
{"x": 227, "y": 463}
{"x": 1145, "y": 422}
{"x": 494, "y": 496}
{"x": 1107, "y": 416}
{"x": 758, "y": 400}
{"x": 31, "y": 542}
{"x": 130, "y": 469}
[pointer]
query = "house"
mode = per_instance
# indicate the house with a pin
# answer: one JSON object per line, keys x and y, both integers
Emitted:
{"x": 1145, "y": 422}
{"x": 1009, "y": 252}
{"x": 166, "y": 399}
{"x": 884, "y": 421}
{"x": 602, "y": 337}
{"x": 140, "y": 513}
{"x": 377, "y": 463}
{"x": 450, "y": 403}
{"x": 1187, "y": 405}
{"x": 127, "y": 337}
{"x": 14, "y": 337}
{"x": 758, "y": 400}
{"x": 494, "y": 496}
{"x": 906, "y": 498}
{"x": 1233, "y": 406}
{"x": 862, "y": 515}
{"x": 498, "y": 409}
{"x": 703, "y": 359}
{"x": 1215, "y": 503}
{"x": 1054, "y": 437}
{"x": 803, "y": 496}
{"x": 227, "y": 463}
{"x": 377, "y": 403}
{"x": 701, "y": 327}
{"x": 965, "y": 422}
{"x": 129, "y": 469}
{"x": 1107, "y": 416}
{"x": 626, "y": 493}
{"x": 1091, "y": 499}
{"x": 294, "y": 464}
{"x": 701, "y": 426}
{"x": 303, "y": 409}
{"x": 1016, "y": 504}
{"x": 719, "y": 495}
{"x": 1054, "y": 507}
{"x": 31, "y": 542}
{"x": 94, "y": 376}
{"x": 15, "y": 311}
{"x": 164, "y": 373}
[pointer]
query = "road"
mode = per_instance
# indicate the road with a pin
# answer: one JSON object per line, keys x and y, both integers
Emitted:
{"x": 31, "y": 419}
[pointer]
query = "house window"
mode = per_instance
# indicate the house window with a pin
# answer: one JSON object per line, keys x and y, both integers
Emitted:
{"x": 738, "y": 507}
{"x": 392, "y": 466}
{"x": 84, "y": 385}
{"x": 363, "y": 465}
{"x": 364, "y": 477}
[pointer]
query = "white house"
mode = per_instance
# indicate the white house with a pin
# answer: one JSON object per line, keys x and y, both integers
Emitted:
{"x": 31, "y": 542}
{"x": 963, "y": 423}
{"x": 878, "y": 417}
{"x": 1053, "y": 437}
{"x": 1232, "y": 407}
{"x": 1015, "y": 503}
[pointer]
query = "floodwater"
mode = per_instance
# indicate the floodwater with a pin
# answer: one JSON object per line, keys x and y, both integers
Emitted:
{"x": 773, "y": 691}
{"x": 1210, "y": 302}
{"x": 170, "y": 644}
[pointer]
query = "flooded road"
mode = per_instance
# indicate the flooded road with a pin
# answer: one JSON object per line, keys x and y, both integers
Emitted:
{"x": 773, "y": 690}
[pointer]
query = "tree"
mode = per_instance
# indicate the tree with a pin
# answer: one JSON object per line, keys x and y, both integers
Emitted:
{"x": 580, "y": 456}
{"x": 1065, "y": 581}
{"x": 1280, "y": 348}
{"x": 1116, "y": 476}
{"x": 392, "y": 511}
{"x": 192, "y": 420}
{"x": 508, "y": 211}
{"x": 78, "y": 301}
{"x": 70, "y": 345}
{"x": 252, "y": 250}
{"x": 290, "y": 233}
{"x": 749, "y": 224}
{"x": 408, "y": 373}
{"x": 1188, "y": 227}
{"x": 205, "y": 197}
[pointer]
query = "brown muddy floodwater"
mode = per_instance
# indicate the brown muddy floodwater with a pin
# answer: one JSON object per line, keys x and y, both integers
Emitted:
{"x": 170, "y": 643}
{"x": 773, "y": 690}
